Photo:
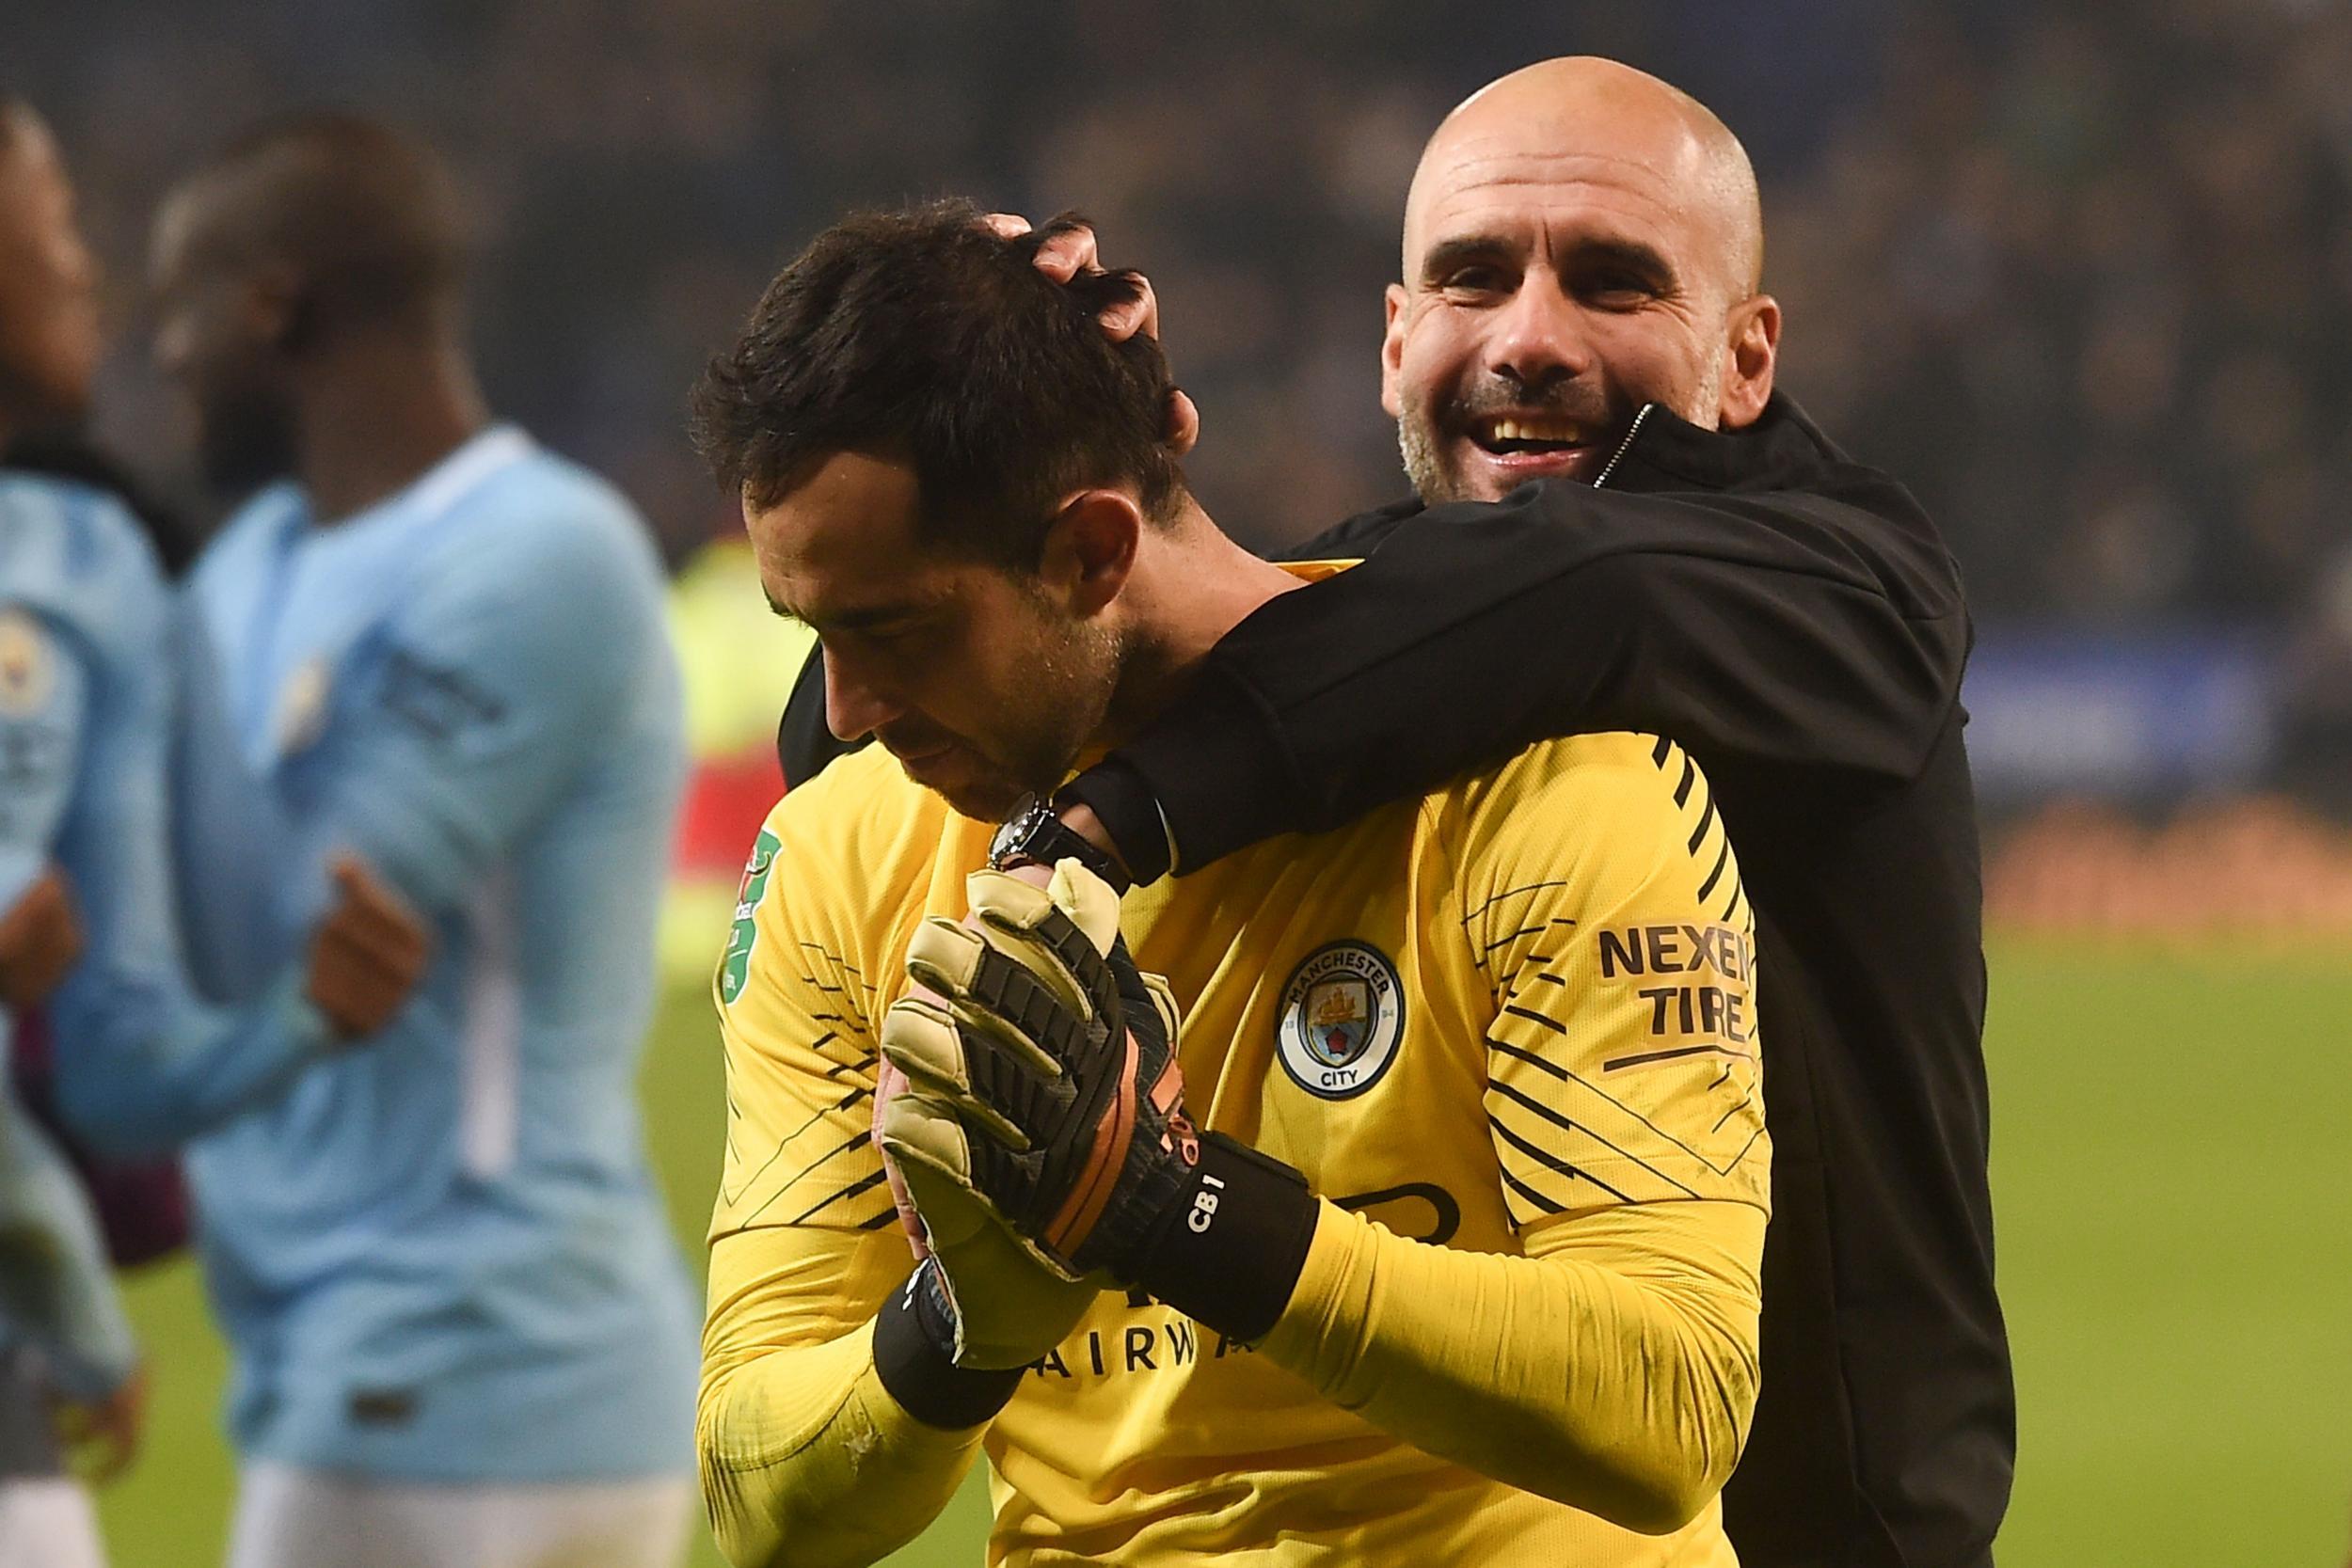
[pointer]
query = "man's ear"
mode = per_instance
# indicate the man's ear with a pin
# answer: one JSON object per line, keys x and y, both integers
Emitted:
{"x": 1751, "y": 356}
{"x": 1091, "y": 549}
{"x": 1392, "y": 350}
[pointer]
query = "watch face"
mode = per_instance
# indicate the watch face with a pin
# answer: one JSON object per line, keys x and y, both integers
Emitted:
{"x": 1014, "y": 835}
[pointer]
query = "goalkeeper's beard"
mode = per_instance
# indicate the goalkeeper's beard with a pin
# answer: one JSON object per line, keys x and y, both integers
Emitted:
{"x": 1033, "y": 748}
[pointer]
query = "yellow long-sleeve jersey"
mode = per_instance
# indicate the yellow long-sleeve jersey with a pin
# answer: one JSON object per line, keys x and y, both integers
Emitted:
{"x": 1507, "y": 1032}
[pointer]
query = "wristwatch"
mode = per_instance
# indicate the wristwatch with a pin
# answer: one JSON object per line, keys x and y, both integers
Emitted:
{"x": 1035, "y": 834}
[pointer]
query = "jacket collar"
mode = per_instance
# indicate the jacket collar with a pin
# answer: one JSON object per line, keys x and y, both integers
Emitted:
{"x": 1783, "y": 450}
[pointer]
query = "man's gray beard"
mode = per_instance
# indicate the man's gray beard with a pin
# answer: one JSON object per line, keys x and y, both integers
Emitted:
{"x": 1432, "y": 481}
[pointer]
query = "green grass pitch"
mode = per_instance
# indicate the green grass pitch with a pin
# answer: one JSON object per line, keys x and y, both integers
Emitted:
{"x": 2173, "y": 1172}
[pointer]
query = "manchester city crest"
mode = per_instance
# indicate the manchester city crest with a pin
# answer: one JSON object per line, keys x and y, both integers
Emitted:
{"x": 302, "y": 702}
{"x": 1343, "y": 1014}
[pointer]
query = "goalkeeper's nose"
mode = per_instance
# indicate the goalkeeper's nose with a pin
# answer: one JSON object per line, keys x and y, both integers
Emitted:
{"x": 854, "y": 706}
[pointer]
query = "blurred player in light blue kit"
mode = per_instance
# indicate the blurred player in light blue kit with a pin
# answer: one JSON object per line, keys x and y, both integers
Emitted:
{"x": 86, "y": 624}
{"x": 462, "y": 1332}
{"x": 57, "y": 1299}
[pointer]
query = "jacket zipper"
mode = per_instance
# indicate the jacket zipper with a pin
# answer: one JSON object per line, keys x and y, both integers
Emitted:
{"x": 1625, "y": 446}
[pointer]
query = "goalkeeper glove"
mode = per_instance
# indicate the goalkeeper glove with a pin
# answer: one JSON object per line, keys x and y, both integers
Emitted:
{"x": 1054, "y": 1059}
{"x": 981, "y": 1295}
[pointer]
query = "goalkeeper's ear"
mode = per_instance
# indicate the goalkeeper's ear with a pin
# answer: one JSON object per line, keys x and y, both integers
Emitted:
{"x": 1090, "y": 549}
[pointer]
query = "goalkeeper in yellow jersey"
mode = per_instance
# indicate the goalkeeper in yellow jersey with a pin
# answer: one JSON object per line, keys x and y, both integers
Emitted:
{"x": 1413, "y": 1217}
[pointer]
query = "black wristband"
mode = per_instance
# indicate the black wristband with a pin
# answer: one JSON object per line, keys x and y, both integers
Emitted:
{"x": 1035, "y": 834}
{"x": 914, "y": 1340}
{"x": 1123, "y": 802}
{"x": 1232, "y": 1252}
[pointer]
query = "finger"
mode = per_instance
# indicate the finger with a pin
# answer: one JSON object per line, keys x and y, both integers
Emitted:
{"x": 1073, "y": 914}
{"x": 934, "y": 1156}
{"x": 919, "y": 1041}
{"x": 1061, "y": 939}
{"x": 1017, "y": 976}
{"x": 889, "y": 1083}
{"x": 1024, "y": 901}
{"x": 1006, "y": 1014}
{"x": 340, "y": 1007}
{"x": 396, "y": 954}
{"x": 384, "y": 930}
{"x": 937, "y": 1058}
{"x": 1162, "y": 999}
{"x": 934, "y": 1151}
{"x": 377, "y": 903}
{"x": 1146, "y": 306}
{"x": 373, "y": 928}
{"x": 1068, "y": 254}
{"x": 910, "y": 1219}
{"x": 1184, "y": 422}
{"x": 342, "y": 953}
{"x": 1090, "y": 903}
{"x": 1005, "y": 225}
{"x": 352, "y": 1004}
{"x": 1121, "y": 320}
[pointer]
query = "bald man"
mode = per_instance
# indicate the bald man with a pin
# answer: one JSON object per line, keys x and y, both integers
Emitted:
{"x": 1621, "y": 523}
{"x": 1638, "y": 208}
{"x": 462, "y": 1336}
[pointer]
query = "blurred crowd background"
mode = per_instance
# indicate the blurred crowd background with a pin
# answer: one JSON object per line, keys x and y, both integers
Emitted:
{"x": 2081, "y": 275}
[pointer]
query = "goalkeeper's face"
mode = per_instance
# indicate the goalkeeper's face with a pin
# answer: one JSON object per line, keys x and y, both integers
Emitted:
{"x": 984, "y": 681}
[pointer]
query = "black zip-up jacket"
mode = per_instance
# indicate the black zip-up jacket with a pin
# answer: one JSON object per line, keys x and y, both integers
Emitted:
{"x": 1794, "y": 621}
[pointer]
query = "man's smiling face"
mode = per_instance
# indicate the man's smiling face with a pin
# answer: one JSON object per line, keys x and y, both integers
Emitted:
{"x": 1575, "y": 248}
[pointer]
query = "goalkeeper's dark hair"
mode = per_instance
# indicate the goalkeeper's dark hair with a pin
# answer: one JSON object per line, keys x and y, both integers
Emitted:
{"x": 920, "y": 336}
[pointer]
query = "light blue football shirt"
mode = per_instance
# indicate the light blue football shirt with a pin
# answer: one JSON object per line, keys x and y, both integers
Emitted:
{"x": 439, "y": 1255}
{"x": 83, "y": 713}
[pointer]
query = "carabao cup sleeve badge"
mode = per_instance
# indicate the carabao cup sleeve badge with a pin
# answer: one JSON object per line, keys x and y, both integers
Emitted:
{"x": 735, "y": 969}
{"x": 1342, "y": 1015}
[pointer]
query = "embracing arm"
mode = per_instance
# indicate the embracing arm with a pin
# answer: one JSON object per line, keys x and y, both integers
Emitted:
{"x": 1774, "y": 628}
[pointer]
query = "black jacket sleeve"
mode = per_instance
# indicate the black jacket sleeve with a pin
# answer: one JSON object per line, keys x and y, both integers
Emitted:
{"x": 1805, "y": 629}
